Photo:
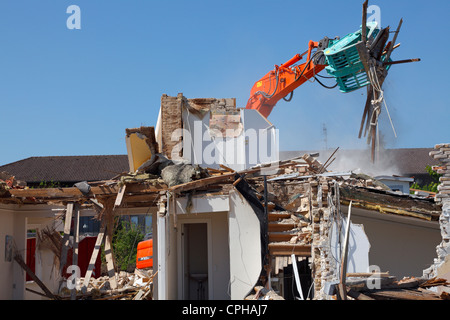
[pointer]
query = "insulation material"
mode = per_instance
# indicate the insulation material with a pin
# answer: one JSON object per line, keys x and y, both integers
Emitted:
{"x": 141, "y": 146}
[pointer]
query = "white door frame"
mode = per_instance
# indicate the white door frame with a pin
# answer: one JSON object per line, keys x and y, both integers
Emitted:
{"x": 180, "y": 256}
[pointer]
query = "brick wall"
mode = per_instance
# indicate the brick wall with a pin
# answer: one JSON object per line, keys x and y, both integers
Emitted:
{"x": 441, "y": 153}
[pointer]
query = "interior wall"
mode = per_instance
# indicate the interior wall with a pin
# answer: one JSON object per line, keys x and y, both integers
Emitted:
{"x": 401, "y": 245}
{"x": 6, "y": 267}
{"x": 245, "y": 246}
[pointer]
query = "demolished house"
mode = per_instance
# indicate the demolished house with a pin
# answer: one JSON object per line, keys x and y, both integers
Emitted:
{"x": 230, "y": 221}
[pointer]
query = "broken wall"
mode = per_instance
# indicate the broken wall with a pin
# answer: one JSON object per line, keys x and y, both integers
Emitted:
{"x": 324, "y": 208}
{"x": 441, "y": 264}
{"x": 171, "y": 117}
{"x": 210, "y": 132}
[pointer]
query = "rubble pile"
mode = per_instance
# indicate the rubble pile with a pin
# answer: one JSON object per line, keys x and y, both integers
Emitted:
{"x": 130, "y": 286}
{"x": 8, "y": 181}
{"x": 361, "y": 287}
{"x": 261, "y": 293}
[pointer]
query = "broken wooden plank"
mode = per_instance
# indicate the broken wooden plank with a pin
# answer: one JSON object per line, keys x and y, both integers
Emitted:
{"x": 110, "y": 262}
{"x": 202, "y": 182}
{"x": 65, "y": 243}
{"x": 357, "y": 295}
{"x": 391, "y": 47}
{"x": 367, "y": 274}
{"x": 385, "y": 202}
{"x": 226, "y": 168}
{"x": 108, "y": 249}
{"x": 74, "y": 194}
{"x": 364, "y": 23}
{"x": 403, "y": 294}
{"x": 94, "y": 255}
{"x": 76, "y": 231}
{"x": 18, "y": 258}
{"x": 367, "y": 284}
{"x": 286, "y": 249}
{"x": 434, "y": 282}
{"x": 279, "y": 226}
{"x": 119, "y": 197}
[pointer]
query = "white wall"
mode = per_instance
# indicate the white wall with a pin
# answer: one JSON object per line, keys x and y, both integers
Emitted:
{"x": 15, "y": 221}
{"x": 256, "y": 144}
{"x": 358, "y": 246}
{"x": 403, "y": 246}
{"x": 245, "y": 246}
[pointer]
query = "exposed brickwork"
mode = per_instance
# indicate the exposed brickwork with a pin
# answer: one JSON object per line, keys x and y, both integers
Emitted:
{"x": 324, "y": 209}
{"x": 441, "y": 152}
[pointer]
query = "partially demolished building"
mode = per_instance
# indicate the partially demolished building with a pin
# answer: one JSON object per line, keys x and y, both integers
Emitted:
{"x": 231, "y": 221}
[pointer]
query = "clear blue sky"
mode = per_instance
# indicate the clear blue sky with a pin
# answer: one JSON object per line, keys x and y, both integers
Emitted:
{"x": 74, "y": 92}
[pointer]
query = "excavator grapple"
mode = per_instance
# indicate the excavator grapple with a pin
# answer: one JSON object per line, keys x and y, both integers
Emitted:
{"x": 360, "y": 59}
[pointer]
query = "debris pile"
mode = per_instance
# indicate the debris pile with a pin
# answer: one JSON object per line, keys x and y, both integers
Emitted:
{"x": 382, "y": 286}
{"x": 261, "y": 293}
{"x": 8, "y": 181}
{"x": 130, "y": 286}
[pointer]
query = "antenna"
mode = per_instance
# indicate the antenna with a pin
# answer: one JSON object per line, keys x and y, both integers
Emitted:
{"x": 325, "y": 135}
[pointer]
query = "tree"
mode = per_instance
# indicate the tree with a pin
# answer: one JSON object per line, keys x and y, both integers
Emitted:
{"x": 125, "y": 240}
{"x": 432, "y": 186}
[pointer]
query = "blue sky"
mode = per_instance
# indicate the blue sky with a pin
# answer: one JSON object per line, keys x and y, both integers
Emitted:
{"x": 74, "y": 92}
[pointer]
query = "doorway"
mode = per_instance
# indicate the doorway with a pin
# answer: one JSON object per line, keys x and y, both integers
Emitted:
{"x": 194, "y": 240}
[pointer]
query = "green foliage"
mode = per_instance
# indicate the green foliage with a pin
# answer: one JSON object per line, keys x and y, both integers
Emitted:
{"x": 433, "y": 174}
{"x": 432, "y": 186}
{"x": 125, "y": 240}
{"x": 49, "y": 184}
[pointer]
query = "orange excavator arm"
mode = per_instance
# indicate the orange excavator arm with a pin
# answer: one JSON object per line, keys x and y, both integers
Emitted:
{"x": 284, "y": 79}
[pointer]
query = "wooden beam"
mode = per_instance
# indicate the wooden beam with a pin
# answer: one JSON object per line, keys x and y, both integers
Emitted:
{"x": 202, "y": 182}
{"x": 364, "y": 23}
{"x": 109, "y": 220}
{"x": 110, "y": 262}
{"x": 65, "y": 242}
{"x": 383, "y": 202}
{"x": 357, "y": 295}
{"x": 391, "y": 47}
{"x": 18, "y": 258}
{"x": 120, "y": 194}
{"x": 281, "y": 249}
{"x": 75, "y": 194}
{"x": 76, "y": 231}
{"x": 279, "y": 226}
{"x": 94, "y": 255}
{"x": 403, "y": 294}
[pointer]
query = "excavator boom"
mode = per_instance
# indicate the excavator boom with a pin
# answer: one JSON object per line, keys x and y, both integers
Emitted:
{"x": 284, "y": 79}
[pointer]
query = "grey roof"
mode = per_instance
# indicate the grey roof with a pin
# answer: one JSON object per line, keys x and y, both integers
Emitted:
{"x": 67, "y": 168}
